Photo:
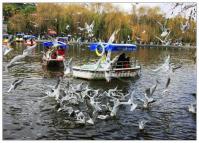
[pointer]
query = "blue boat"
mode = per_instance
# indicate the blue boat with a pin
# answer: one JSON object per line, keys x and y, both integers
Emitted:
{"x": 54, "y": 54}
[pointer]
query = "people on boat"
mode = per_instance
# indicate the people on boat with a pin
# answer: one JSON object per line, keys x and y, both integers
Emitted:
{"x": 123, "y": 61}
{"x": 60, "y": 51}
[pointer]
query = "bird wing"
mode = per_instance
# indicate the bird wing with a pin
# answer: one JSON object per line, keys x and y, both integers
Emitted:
{"x": 112, "y": 38}
{"x": 161, "y": 26}
{"x": 159, "y": 39}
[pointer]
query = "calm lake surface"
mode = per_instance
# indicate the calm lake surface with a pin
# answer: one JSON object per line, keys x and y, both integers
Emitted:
{"x": 26, "y": 116}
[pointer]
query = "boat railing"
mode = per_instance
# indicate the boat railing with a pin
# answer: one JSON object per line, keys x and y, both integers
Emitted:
{"x": 126, "y": 64}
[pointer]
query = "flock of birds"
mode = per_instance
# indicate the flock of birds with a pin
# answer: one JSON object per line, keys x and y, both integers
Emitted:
{"x": 85, "y": 106}
{"x": 184, "y": 27}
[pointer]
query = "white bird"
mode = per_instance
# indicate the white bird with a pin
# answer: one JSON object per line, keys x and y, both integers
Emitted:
{"x": 151, "y": 90}
{"x": 16, "y": 58}
{"x": 67, "y": 27}
{"x": 146, "y": 100}
{"x": 185, "y": 27}
{"x": 131, "y": 101}
{"x": 80, "y": 28}
{"x": 103, "y": 117}
{"x": 55, "y": 92}
{"x": 165, "y": 31}
{"x": 14, "y": 85}
{"x": 192, "y": 109}
{"x": 142, "y": 124}
{"x": 107, "y": 76}
{"x": 29, "y": 49}
{"x": 68, "y": 67}
{"x": 7, "y": 48}
{"x": 116, "y": 105}
{"x": 89, "y": 28}
{"x": 164, "y": 66}
{"x": 165, "y": 41}
{"x": 144, "y": 31}
{"x": 80, "y": 118}
{"x": 112, "y": 38}
{"x": 90, "y": 120}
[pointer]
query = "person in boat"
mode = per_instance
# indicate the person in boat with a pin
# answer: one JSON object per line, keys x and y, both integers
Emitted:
{"x": 120, "y": 60}
{"x": 60, "y": 52}
{"x": 127, "y": 62}
{"x": 31, "y": 42}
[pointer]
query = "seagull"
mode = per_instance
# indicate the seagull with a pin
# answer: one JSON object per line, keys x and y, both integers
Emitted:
{"x": 164, "y": 66}
{"x": 185, "y": 27}
{"x": 68, "y": 67}
{"x": 89, "y": 28}
{"x": 14, "y": 85}
{"x": 90, "y": 120}
{"x": 167, "y": 84}
{"x": 147, "y": 100}
{"x": 103, "y": 117}
{"x": 81, "y": 29}
{"x": 165, "y": 31}
{"x": 174, "y": 67}
{"x": 116, "y": 105}
{"x": 112, "y": 38}
{"x": 67, "y": 27}
{"x": 192, "y": 109}
{"x": 142, "y": 124}
{"x": 7, "y": 49}
{"x": 107, "y": 76}
{"x": 80, "y": 118}
{"x": 165, "y": 41}
{"x": 16, "y": 58}
{"x": 55, "y": 92}
{"x": 151, "y": 90}
{"x": 130, "y": 101}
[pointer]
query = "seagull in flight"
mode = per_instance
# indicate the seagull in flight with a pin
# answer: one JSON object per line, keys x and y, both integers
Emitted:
{"x": 15, "y": 84}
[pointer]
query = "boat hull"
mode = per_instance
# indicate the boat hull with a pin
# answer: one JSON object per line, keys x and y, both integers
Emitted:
{"x": 97, "y": 75}
{"x": 53, "y": 64}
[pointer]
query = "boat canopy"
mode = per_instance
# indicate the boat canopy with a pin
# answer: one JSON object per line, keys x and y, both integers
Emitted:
{"x": 55, "y": 44}
{"x": 113, "y": 47}
{"x": 29, "y": 36}
{"x": 20, "y": 34}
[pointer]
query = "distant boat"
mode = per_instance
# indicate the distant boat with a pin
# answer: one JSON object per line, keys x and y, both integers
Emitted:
{"x": 54, "y": 54}
{"x": 29, "y": 40}
{"x": 6, "y": 38}
{"x": 19, "y": 38}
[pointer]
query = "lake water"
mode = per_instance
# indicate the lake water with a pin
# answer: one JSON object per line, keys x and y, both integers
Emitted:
{"x": 26, "y": 116}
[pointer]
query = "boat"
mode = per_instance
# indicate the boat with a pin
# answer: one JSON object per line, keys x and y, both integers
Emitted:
{"x": 54, "y": 54}
{"x": 105, "y": 67}
{"x": 29, "y": 40}
{"x": 62, "y": 39}
{"x": 19, "y": 38}
{"x": 6, "y": 39}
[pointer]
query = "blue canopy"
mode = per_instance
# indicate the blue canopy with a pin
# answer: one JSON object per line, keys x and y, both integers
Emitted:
{"x": 29, "y": 36}
{"x": 113, "y": 47}
{"x": 55, "y": 44}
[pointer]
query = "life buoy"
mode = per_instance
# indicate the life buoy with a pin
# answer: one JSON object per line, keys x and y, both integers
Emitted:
{"x": 97, "y": 52}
